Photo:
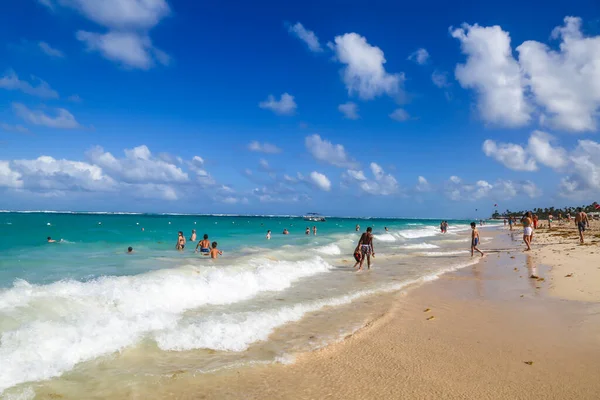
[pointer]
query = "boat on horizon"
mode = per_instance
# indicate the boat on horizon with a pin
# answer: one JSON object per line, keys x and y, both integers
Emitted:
{"x": 314, "y": 217}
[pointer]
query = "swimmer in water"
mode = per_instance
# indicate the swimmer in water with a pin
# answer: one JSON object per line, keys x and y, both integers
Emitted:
{"x": 315, "y": 230}
{"x": 214, "y": 252}
{"x": 307, "y": 230}
{"x": 193, "y": 237}
{"x": 129, "y": 250}
{"x": 357, "y": 228}
{"x": 286, "y": 232}
{"x": 204, "y": 245}
{"x": 180, "y": 241}
{"x": 386, "y": 229}
{"x": 268, "y": 235}
{"x": 50, "y": 240}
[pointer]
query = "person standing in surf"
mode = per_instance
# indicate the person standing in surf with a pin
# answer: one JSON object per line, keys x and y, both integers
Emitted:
{"x": 180, "y": 241}
{"x": 315, "y": 230}
{"x": 365, "y": 246}
{"x": 475, "y": 239}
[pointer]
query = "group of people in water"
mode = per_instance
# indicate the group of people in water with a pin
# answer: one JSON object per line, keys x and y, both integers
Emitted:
{"x": 206, "y": 247}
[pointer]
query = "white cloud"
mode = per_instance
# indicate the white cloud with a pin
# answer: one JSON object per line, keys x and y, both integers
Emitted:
{"x": 456, "y": 190}
{"x": 49, "y": 50}
{"x": 423, "y": 185}
{"x": 530, "y": 189}
{"x": 285, "y": 106}
{"x": 455, "y": 179}
{"x": 131, "y": 50}
{"x": 566, "y": 83}
{"x": 511, "y": 155}
{"x": 139, "y": 166}
{"x": 349, "y": 109}
{"x": 420, "y": 56}
{"x": 327, "y": 152}
{"x": 263, "y": 147}
{"x": 62, "y": 120}
{"x": 356, "y": 175}
{"x": 382, "y": 184}
{"x": 364, "y": 73}
{"x": 8, "y": 177}
{"x": 308, "y": 37}
{"x": 320, "y": 180}
{"x": 13, "y": 128}
{"x": 585, "y": 161}
{"x": 121, "y": 14}
{"x": 400, "y": 114}
{"x": 542, "y": 150}
{"x": 75, "y": 98}
{"x": 264, "y": 165}
{"x": 10, "y": 81}
{"x": 493, "y": 72}
{"x": 440, "y": 79}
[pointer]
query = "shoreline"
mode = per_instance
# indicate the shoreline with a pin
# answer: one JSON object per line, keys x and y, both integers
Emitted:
{"x": 490, "y": 322}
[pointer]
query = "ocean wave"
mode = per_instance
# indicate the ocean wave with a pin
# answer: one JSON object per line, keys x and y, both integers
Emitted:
{"x": 420, "y": 246}
{"x": 444, "y": 253}
{"x": 48, "y": 329}
{"x": 385, "y": 237}
{"x": 419, "y": 233}
{"x": 330, "y": 250}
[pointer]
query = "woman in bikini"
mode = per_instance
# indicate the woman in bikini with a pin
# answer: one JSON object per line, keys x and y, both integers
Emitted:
{"x": 365, "y": 246}
{"x": 204, "y": 246}
{"x": 180, "y": 241}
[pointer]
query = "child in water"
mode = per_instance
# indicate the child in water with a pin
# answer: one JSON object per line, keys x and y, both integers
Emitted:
{"x": 214, "y": 252}
{"x": 475, "y": 239}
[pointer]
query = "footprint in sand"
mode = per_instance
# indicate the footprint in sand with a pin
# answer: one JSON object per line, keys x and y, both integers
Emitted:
{"x": 427, "y": 310}
{"x": 430, "y": 318}
{"x": 568, "y": 275}
{"x": 528, "y": 362}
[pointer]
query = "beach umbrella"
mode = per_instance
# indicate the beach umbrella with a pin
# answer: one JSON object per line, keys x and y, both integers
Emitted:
{"x": 597, "y": 206}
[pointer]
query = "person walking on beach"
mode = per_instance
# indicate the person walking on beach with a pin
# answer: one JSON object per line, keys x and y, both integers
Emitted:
{"x": 550, "y": 218}
{"x": 180, "y": 241}
{"x": 581, "y": 220}
{"x": 527, "y": 229}
{"x": 510, "y": 223}
{"x": 535, "y": 221}
{"x": 475, "y": 239}
{"x": 365, "y": 246}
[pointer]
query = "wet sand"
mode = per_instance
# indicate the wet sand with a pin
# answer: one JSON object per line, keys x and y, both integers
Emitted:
{"x": 495, "y": 334}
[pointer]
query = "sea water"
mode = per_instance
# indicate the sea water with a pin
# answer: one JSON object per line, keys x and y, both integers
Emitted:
{"x": 83, "y": 314}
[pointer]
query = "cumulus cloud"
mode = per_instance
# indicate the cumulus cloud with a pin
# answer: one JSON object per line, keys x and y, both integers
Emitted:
{"x": 565, "y": 83}
{"x": 455, "y": 189}
{"x": 327, "y": 152}
{"x": 131, "y": 50}
{"x": 585, "y": 162}
{"x": 263, "y": 147}
{"x": 400, "y": 115}
{"x": 284, "y": 106}
{"x": 382, "y": 183}
{"x": 128, "y": 21}
{"x": 62, "y": 119}
{"x": 8, "y": 177}
{"x": 420, "y": 56}
{"x": 440, "y": 79}
{"x": 11, "y": 81}
{"x": 511, "y": 155}
{"x": 349, "y": 109}
{"x": 539, "y": 150}
{"x": 422, "y": 185}
{"x": 308, "y": 37}
{"x": 49, "y": 50}
{"x": 356, "y": 175}
{"x": 364, "y": 74}
{"x": 321, "y": 181}
{"x": 493, "y": 73}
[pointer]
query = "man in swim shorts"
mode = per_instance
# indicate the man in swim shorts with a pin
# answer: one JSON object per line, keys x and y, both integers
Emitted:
{"x": 365, "y": 246}
{"x": 204, "y": 245}
{"x": 581, "y": 221}
{"x": 475, "y": 239}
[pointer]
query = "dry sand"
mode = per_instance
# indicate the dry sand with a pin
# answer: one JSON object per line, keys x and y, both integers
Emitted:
{"x": 496, "y": 334}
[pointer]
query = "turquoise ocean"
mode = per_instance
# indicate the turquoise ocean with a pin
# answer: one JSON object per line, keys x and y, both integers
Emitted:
{"x": 83, "y": 316}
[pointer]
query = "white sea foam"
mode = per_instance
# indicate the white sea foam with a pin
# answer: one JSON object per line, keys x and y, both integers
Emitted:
{"x": 48, "y": 329}
{"x": 444, "y": 253}
{"x": 330, "y": 250}
{"x": 419, "y": 233}
{"x": 420, "y": 246}
{"x": 385, "y": 237}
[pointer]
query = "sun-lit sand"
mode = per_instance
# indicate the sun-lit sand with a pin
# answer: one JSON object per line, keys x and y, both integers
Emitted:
{"x": 484, "y": 332}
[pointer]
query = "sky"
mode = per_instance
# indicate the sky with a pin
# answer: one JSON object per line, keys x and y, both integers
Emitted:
{"x": 346, "y": 108}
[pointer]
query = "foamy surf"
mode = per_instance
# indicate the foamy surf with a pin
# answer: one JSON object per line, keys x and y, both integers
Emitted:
{"x": 48, "y": 329}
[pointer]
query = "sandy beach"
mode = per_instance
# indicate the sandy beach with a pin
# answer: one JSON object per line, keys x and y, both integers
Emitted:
{"x": 484, "y": 332}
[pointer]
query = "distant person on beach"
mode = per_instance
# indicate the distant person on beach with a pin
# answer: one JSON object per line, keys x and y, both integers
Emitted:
{"x": 180, "y": 241}
{"x": 357, "y": 228}
{"x": 50, "y": 240}
{"x": 314, "y": 230}
{"x": 268, "y": 235}
{"x": 193, "y": 237}
{"x": 442, "y": 227}
{"x": 204, "y": 246}
{"x": 527, "y": 229}
{"x": 581, "y": 221}
{"x": 365, "y": 246}
{"x": 475, "y": 239}
{"x": 286, "y": 232}
{"x": 214, "y": 252}
{"x": 550, "y": 219}
{"x": 445, "y": 226}
{"x": 307, "y": 230}
{"x": 504, "y": 221}
{"x": 535, "y": 221}
{"x": 129, "y": 250}
{"x": 510, "y": 223}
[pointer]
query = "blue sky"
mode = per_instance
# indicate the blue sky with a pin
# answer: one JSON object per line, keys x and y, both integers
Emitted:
{"x": 377, "y": 108}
